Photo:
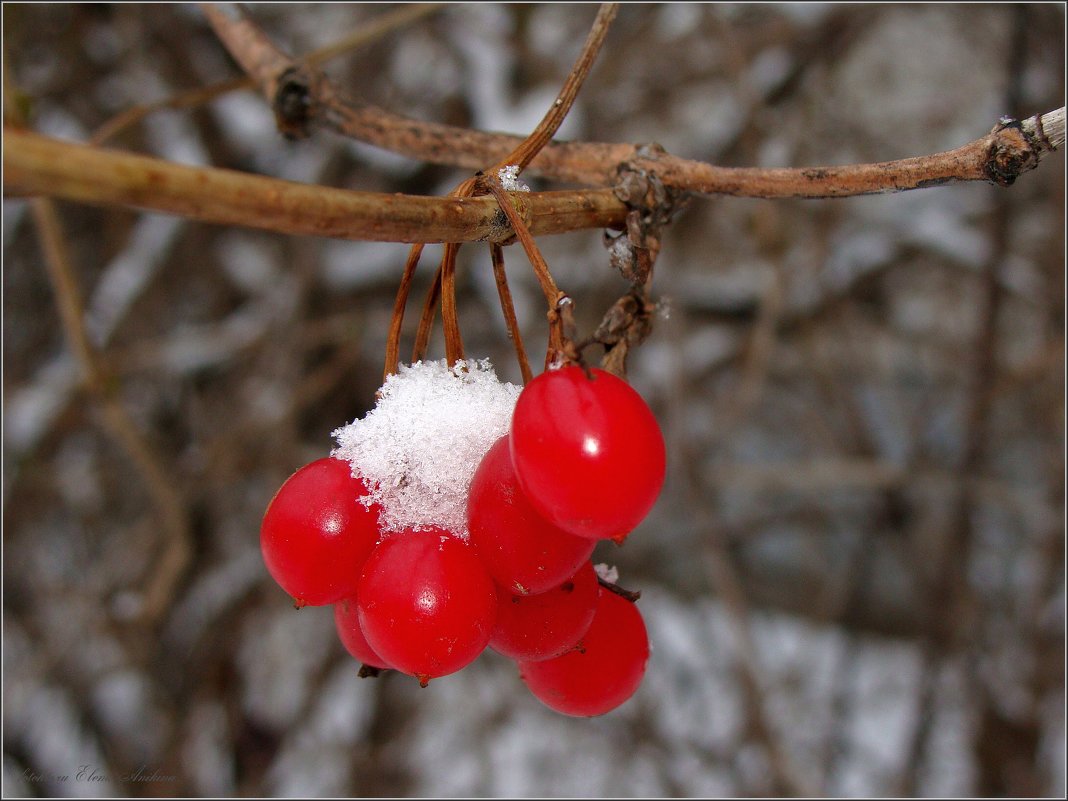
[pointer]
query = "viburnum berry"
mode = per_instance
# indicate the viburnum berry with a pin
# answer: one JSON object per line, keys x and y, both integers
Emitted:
{"x": 426, "y": 604}
{"x": 535, "y": 627}
{"x": 316, "y": 534}
{"x": 347, "y": 623}
{"x": 603, "y": 672}
{"x": 523, "y": 552}
{"x": 587, "y": 451}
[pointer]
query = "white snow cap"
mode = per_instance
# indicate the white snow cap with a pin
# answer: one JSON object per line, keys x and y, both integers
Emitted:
{"x": 418, "y": 449}
{"x": 510, "y": 179}
{"x": 609, "y": 575}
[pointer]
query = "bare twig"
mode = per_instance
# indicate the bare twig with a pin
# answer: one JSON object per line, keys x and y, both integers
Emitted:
{"x": 554, "y": 297}
{"x": 177, "y": 551}
{"x": 508, "y": 308}
{"x": 450, "y": 317}
{"x": 256, "y": 54}
{"x": 35, "y": 164}
{"x": 1047, "y": 130}
{"x": 399, "y": 305}
{"x": 554, "y": 117}
{"x": 191, "y": 99}
{"x": 375, "y": 28}
{"x": 950, "y": 597}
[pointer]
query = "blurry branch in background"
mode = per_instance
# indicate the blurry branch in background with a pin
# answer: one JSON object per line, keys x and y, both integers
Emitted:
{"x": 956, "y": 623}
{"x": 374, "y": 29}
{"x": 103, "y": 389}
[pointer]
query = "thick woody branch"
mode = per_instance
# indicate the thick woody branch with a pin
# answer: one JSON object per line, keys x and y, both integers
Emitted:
{"x": 1009, "y": 150}
{"x": 35, "y": 164}
{"x": 304, "y": 99}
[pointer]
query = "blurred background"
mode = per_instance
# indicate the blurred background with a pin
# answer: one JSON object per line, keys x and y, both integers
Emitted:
{"x": 854, "y": 579}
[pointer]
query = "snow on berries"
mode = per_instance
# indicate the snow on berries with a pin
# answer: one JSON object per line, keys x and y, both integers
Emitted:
{"x": 420, "y": 445}
{"x": 461, "y": 513}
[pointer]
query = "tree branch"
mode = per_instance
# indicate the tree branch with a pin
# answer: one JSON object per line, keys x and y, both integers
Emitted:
{"x": 304, "y": 99}
{"x": 35, "y": 164}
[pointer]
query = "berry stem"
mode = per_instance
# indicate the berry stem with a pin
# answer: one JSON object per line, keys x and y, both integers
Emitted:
{"x": 396, "y": 321}
{"x": 508, "y": 308}
{"x": 445, "y": 283}
{"x": 454, "y": 345}
{"x": 525, "y": 152}
{"x": 559, "y": 344}
{"x": 629, "y": 595}
{"x": 426, "y": 319}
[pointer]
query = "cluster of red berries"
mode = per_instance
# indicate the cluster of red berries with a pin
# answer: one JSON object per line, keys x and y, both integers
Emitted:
{"x": 583, "y": 461}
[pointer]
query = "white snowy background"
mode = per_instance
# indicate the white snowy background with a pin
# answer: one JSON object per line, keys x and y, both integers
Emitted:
{"x": 813, "y": 372}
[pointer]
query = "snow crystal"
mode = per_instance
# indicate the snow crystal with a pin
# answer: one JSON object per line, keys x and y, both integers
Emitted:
{"x": 510, "y": 179}
{"x": 418, "y": 449}
{"x": 609, "y": 575}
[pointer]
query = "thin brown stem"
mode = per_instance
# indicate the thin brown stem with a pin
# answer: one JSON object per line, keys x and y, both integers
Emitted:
{"x": 508, "y": 204}
{"x": 374, "y": 29}
{"x": 445, "y": 282}
{"x": 168, "y": 570}
{"x": 559, "y": 344}
{"x": 508, "y": 308}
{"x": 450, "y": 318}
{"x": 628, "y": 595}
{"x": 554, "y": 117}
{"x": 194, "y": 97}
{"x": 177, "y": 550}
{"x": 399, "y": 305}
{"x": 426, "y": 319}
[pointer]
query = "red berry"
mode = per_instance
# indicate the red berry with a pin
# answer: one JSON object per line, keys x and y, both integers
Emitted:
{"x": 522, "y": 551}
{"x": 535, "y": 627}
{"x": 316, "y": 534}
{"x": 347, "y": 622}
{"x": 606, "y": 669}
{"x": 427, "y": 605}
{"x": 587, "y": 452}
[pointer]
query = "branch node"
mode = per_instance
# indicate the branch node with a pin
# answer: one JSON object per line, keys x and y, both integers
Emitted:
{"x": 652, "y": 205}
{"x": 1012, "y": 152}
{"x": 292, "y": 103}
